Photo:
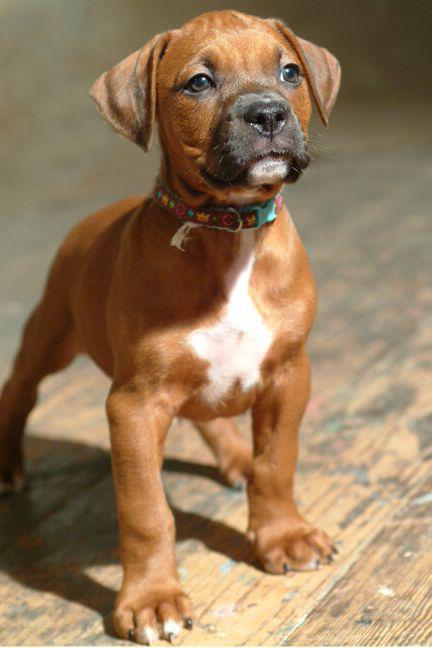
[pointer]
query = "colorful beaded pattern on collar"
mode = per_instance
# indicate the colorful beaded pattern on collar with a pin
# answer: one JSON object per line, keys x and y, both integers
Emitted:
{"x": 232, "y": 219}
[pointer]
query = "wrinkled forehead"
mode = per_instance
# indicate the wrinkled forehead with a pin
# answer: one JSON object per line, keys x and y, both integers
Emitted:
{"x": 238, "y": 51}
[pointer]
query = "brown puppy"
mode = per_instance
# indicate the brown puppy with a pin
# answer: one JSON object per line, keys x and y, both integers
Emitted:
{"x": 203, "y": 333}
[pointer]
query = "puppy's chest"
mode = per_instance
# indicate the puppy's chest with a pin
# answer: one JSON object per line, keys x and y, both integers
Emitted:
{"x": 236, "y": 344}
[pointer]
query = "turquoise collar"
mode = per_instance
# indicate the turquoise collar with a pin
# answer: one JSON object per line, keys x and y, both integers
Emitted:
{"x": 232, "y": 219}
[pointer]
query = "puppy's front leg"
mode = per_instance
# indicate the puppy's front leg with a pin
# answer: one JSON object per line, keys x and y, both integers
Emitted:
{"x": 282, "y": 538}
{"x": 150, "y": 593}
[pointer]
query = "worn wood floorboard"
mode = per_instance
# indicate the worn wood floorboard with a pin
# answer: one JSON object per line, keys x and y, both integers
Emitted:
{"x": 60, "y": 553}
{"x": 385, "y": 597}
{"x": 366, "y": 452}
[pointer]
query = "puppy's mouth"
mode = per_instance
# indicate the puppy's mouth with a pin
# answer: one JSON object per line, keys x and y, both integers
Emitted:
{"x": 268, "y": 169}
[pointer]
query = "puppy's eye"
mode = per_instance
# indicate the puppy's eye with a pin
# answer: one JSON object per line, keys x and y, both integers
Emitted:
{"x": 290, "y": 73}
{"x": 199, "y": 83}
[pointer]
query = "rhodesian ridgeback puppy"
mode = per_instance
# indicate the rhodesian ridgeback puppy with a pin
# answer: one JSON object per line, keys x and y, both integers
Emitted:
{"x": 198, "y": 299}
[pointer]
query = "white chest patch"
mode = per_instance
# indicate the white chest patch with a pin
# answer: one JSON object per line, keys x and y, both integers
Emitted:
{"x": 236, "y": 345}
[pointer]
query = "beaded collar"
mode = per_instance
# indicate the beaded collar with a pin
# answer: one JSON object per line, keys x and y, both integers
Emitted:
{"x": 232, "y": 219}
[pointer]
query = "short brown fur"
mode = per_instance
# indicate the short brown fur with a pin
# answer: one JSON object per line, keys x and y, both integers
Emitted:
{"x": 118, "y": 291}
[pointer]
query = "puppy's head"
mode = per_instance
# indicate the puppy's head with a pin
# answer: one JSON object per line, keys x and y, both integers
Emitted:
{"x": 232, "y": 96}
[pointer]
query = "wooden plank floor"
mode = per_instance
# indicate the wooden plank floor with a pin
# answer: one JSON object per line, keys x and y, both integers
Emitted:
{"x": 365, "y": 456}
{"x": 366, "y": 450}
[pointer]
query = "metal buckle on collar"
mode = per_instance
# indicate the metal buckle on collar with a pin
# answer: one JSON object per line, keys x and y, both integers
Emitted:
{"x": 239, "y": 225}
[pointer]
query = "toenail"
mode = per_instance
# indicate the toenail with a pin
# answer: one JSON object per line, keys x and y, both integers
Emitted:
{"x": 286, "y": 568}
{"x": 188, "y": 623}
{"x": 335, "y": 549}
{"x": 239, "y": 485}
{"x": 131, "y": 635}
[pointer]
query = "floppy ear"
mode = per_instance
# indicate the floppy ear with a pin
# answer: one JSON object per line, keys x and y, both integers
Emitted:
{"x": 322, "y": 70}
{"x": 126, "y": 94}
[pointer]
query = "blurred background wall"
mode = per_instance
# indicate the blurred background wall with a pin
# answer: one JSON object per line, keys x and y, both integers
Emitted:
{"x": 52, "y": 50}
{"x": 363, "y": 209}
{"x": 59, "y": 160}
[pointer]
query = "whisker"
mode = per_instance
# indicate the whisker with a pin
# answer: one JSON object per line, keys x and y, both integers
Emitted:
{"x": 217, "y": 146}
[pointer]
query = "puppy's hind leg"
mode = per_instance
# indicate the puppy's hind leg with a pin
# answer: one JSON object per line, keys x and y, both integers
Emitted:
{"x": 48, "y": 344}
{"x": 231, "y": 450}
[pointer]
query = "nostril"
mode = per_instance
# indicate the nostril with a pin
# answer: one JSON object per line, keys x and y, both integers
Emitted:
{"x": 255, "y": 115}
{"x": 281, "y": 115}
{"x": 268, "y": 118}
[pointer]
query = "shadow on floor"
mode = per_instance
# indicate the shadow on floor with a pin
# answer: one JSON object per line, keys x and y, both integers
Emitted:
{"x": 65, "y": 522}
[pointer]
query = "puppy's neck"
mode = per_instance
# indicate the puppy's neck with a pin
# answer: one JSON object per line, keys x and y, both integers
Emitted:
{"x": 200, "y": 196}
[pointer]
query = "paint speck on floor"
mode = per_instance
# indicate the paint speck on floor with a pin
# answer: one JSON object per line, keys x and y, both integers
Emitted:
{"x": 226, "y": 567}
{"x": 288, "y": 596}
{"x": 423, "y": 499}
{"x": 182, "y": 572}
{"x": 224, "y": 610}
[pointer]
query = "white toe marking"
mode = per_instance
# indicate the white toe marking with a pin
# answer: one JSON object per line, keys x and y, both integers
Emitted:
{"x": 171, "y": 627}
{"x": 313, "y": 565}
{"x": 150, "y": 635}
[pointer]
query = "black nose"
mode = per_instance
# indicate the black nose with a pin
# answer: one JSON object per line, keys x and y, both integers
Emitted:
{"x": 267, "y": 116}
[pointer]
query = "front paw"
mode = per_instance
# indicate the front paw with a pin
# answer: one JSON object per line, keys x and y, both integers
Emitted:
{"x": 145, "y": 614}
{"x": 282, "y": 547}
